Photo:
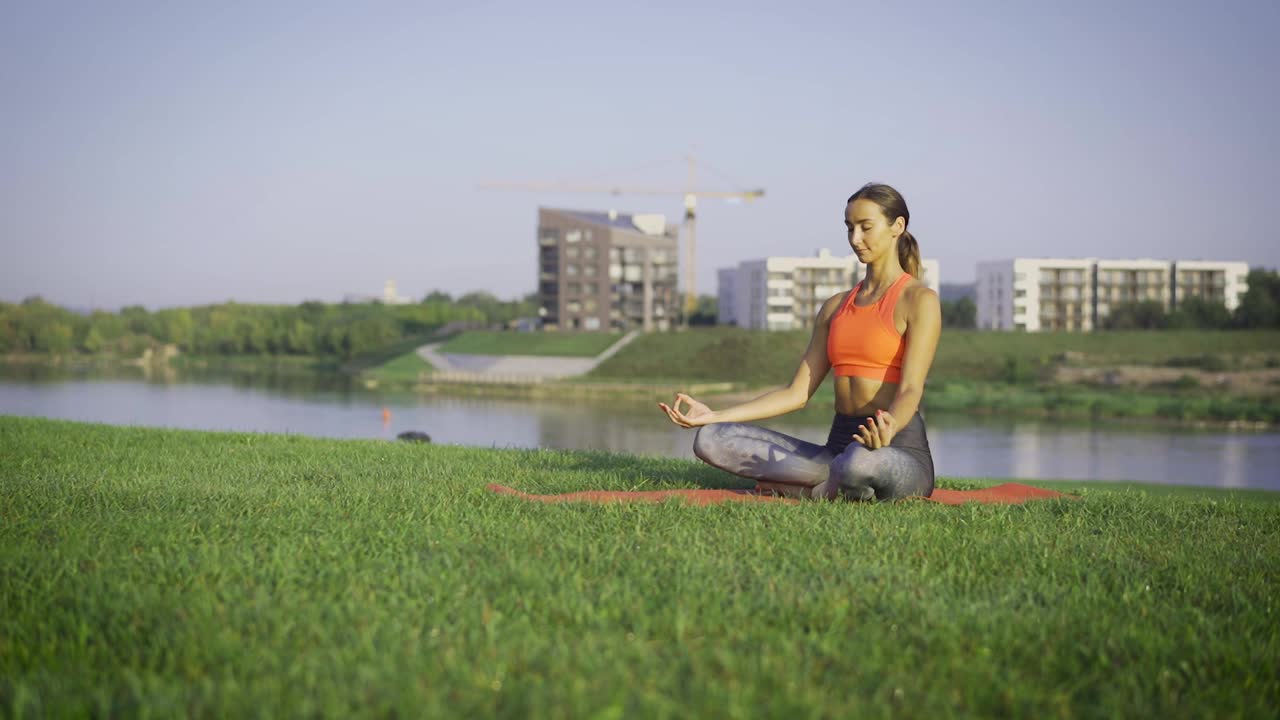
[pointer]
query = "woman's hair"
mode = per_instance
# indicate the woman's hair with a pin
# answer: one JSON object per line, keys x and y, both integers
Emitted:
{"x": 894, "y": 207}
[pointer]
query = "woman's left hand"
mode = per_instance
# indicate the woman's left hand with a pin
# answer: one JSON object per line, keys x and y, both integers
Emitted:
{"x": 878, "y": 431}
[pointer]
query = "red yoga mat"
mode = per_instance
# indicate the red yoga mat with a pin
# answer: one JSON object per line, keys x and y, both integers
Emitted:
{"x": 1006, "y": 494}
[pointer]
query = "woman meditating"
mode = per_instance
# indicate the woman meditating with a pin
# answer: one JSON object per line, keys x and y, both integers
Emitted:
{"x": 880, "y": 337}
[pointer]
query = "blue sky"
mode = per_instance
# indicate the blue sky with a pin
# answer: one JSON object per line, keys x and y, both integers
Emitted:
{"x": 171, "y": 154}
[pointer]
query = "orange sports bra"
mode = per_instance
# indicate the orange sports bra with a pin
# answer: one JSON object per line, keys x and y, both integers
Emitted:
{"x": 863, "y": 341}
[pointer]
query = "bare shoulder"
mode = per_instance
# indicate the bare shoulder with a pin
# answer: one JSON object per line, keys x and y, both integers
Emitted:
{"x": 832, "y": 304}
{"x": 919, "y": 295}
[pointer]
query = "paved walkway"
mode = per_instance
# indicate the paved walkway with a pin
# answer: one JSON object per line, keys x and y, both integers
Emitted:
{"x": 512, "y": 369}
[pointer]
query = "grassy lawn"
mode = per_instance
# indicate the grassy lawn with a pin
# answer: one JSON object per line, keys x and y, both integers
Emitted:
{"x": 758, "y": 357}
{"x": 406, "y": 368}
{"x": 576, "y": 344}
{"x": 991, "y": 371}
{"x": 150, "y": 572}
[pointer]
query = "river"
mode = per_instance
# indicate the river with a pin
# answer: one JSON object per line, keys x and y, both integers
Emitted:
{"x": 982, "y": 447}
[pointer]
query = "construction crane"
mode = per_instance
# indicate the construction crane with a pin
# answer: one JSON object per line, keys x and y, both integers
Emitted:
{"x": 688, "y": 229}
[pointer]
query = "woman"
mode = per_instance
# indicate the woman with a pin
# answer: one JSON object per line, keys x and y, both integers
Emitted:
{"x": 880, "y": 337}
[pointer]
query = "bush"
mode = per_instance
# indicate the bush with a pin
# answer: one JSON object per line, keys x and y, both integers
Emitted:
{"x": 1020, "y": 371}
{"x": 1209, "y": 362}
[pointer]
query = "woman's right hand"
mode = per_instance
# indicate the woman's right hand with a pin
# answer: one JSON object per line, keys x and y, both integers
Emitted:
{"x": 696, "y": 416}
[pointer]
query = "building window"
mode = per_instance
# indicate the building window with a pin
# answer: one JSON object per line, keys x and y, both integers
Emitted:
{"x": 571, "y": 251}
{"x": 571, "y": 269}
{"x": 573, "y": 236}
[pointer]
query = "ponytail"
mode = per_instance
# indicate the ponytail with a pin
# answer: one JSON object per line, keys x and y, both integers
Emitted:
{"x": 909, "y": 254}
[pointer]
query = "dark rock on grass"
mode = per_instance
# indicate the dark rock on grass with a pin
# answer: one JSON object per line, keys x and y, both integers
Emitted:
{"x": 414, "y": 436}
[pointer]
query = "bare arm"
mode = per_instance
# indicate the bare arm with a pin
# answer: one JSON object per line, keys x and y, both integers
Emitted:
{"x": 924, "y": 325}
{"x": 813, "y": 369}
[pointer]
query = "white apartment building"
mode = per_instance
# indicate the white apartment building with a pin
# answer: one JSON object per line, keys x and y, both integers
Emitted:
{"x": 1077, "y": 294}
{"x": 785, "y": 293}
{"x": 1225, "y": 282}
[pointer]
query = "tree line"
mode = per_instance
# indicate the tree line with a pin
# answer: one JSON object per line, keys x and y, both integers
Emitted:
{"x": 312, "y": 328}
{"x": 1259, "y": 308}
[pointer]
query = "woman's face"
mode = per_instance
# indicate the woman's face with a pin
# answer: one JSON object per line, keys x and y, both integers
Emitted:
{"x": 870, "y": 234}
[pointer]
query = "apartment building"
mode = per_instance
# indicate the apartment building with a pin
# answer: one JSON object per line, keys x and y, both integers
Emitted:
{"x": 785, "y": 293}
{"x": 606, "y": 270}
{"x": 1078, "y": 294}
{"x": 1224, "y": 282}
{"x": 1118, "y": 282}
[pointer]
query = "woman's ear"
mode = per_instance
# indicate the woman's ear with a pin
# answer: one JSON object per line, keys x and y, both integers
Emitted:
{"x": 899, "y": 226}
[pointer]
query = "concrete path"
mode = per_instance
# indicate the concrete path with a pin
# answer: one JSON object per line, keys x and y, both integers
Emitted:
{"x": 512, "y": 369}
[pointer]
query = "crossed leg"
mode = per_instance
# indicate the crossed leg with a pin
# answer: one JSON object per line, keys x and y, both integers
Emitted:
{"x": 795, "y": 467}
{"x": 886, "y": 473}
{"x": 776, "y": 460}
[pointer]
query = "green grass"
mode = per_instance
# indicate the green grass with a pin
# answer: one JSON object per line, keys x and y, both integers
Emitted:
{"x": 757, "y": 357}
{"x": 972, "y": 354}
{"x": 395, "y": 351}
{"x": 407, "y": 368}
{"x": 569, "y": 344}
{"x": 150, "y": 572}
{"x": 987, "y": 371}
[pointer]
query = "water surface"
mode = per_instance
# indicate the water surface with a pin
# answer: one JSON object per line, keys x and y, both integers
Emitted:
{"x": 333, "y": 407}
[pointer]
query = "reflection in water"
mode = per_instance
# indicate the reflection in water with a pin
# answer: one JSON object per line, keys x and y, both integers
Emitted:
{"x": 333, "y": 406}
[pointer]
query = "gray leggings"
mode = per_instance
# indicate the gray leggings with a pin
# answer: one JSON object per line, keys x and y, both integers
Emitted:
{"x": 841, "y": 468}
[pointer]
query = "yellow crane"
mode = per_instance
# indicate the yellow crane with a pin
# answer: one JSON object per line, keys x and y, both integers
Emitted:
{"x": 688, "y": 229}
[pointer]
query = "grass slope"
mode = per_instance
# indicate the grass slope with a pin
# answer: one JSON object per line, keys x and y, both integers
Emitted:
{"x": 770, "y": 358}
{"x": 150, "y": 572}
{"x": 568, "y": 344}
{"x": 407, "y": 368}
{"x": 988, "y": 370}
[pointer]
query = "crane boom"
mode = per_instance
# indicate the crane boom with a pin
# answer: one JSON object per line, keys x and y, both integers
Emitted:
{"x": 690, "y": 193}
{"x": 614, "y": 190}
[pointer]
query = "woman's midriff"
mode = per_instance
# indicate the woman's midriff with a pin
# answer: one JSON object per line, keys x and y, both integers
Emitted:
{"x": 863, "y": 396}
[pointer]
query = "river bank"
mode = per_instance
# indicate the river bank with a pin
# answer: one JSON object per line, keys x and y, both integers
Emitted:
{"x": 1203, "y": 379}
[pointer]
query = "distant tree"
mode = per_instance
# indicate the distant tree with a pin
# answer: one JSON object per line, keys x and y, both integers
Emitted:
{"x": 110, "y": 327}
{"x": 175, "y": 326}
{"x": 1195, "y": 312}
{"x": 962, "y": 313}
{"x": 136, "y": 319}
{"x": 1145, "y": 315}
{"x": 438, "y": 296}
{"x": 706, "y": 311}
{"x": 300, "y": 339}
{"x": 370, "y": 333}
{"x": 54, "y": 337}
{"x": 93, "y": 341}
{"x": 1260, "y": 305}
{"x": 8, "y": 333}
